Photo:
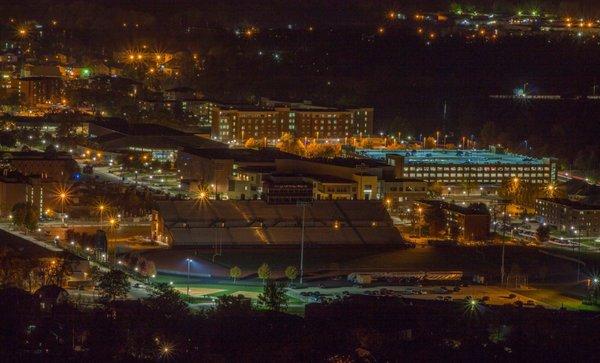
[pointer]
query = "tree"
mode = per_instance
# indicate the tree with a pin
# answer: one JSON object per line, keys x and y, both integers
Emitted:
{"x": 436, "y": 188}
{"x": 291, "y": 273}
{"x": 264, "y": 272}
{"x": 167, "y": 301}
{"x": 55, "y": 272}
{"x": 113, "y": 284}
{"x": 273, "y": 297}
{"x": 435, "y": 218}
{"x": 429, "y": 143}
{"x": 25, "y": 215}
{"x": 231, "y": 305}
{"x": 252, "y": 143}
{"x": 542, "y": 233}
{"x": 7, "y": 139}
{"x": 290, "y": 144}
{"x": 453, "y": 231}
{"x": 488, "y": 134}
{"x": 316, "y": 150}
{"x": 366, "y": 143}
{"x": 235, "y": 273}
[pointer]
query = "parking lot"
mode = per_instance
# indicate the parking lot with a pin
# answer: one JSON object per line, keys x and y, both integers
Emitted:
{"x": 491, "y": 295}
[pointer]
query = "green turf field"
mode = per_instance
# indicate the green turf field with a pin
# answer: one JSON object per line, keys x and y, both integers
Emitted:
{"x": 200, "y": 289}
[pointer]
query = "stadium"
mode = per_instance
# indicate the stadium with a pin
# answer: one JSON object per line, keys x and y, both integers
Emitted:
{"x": 254, "y": 222}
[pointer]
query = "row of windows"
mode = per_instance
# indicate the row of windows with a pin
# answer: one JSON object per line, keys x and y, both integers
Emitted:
{"x": 477, "y": 180}
{"x": 477, "y": 168}
{"x": 481, "y": 175}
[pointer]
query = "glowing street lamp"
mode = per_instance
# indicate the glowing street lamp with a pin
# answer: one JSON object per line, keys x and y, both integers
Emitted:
{"x": 63, "y": 197}
{"x": 101, "y": 208}
{"x": 551, "y": 188}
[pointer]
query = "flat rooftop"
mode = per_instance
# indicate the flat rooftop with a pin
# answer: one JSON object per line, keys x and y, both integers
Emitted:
{"x": 242, "y": 155}
{"x": 455, "y": 157}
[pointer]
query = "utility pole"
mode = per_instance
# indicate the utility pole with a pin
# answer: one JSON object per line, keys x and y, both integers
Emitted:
{"x": 303, "y": 204}
{"x": 188, "y": 260}
{"x": 502, "y": 266}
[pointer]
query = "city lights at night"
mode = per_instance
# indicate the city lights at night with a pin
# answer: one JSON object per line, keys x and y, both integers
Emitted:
{"x": 303, "y": 181}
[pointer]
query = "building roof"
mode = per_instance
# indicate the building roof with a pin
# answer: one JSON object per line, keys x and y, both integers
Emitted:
{"x": 116, "y": 142}
{"x": 401, "y": 180}
{"x": 329, "y": 179}
{"x": 571, "y": 204}
{"x": 8, "y": 175}
{"x": 135, "y": 129}
{"x": 35, "y": 155}
{"x": 349, "y": 162}
{"x": 261, "y": 169}
{"x": 41, "y": 78}
{"x": 242, "y": 155}
{"x": 469, "y": 210}
{"x": 454, "y": 157}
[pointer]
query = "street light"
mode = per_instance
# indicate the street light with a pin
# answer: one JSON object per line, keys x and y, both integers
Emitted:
{"x": 101, "y": 208}
{"x": 551, "y": 188}
{"x": 303, "y": 204}
{"x": 189, "y": 261}
{"x": 62, "y": 197}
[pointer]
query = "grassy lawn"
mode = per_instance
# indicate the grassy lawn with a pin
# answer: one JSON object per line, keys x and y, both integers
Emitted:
{"x": 200, "y": 288}
{"x": 558, "y": 296}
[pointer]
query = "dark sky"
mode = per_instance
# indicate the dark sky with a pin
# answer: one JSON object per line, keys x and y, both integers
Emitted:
{"x": 277, "y": 12}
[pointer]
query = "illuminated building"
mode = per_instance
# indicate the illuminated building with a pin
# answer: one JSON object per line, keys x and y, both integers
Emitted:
{"x": 473, "y": 224}
{"x": 567, "y": 215}
{"x": 41, "y": 90}
{"x": 241, "y": 122}
{"x": 485, "y": 167}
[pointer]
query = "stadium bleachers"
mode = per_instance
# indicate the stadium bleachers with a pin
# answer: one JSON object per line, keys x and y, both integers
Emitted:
{"x": 257, "y": 223}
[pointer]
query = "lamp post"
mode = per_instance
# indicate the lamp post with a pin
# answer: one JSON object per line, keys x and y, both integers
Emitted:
{"x": 101, "y": 209}
{"x": 189, "y": 261}
{"x": 111, "y": 222}
{"x": 303, "y": 204}
{"x": 62, "y": 196}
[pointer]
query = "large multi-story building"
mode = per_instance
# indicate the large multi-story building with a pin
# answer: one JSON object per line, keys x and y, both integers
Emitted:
{"x": 239, "y": 123}
{"x": 484, "y": 167}
{"x": 37, "y": 91}
{"x": 241, "y": 174}
{"x": 18, "y": 188}
{"x": 568, "y": 215}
